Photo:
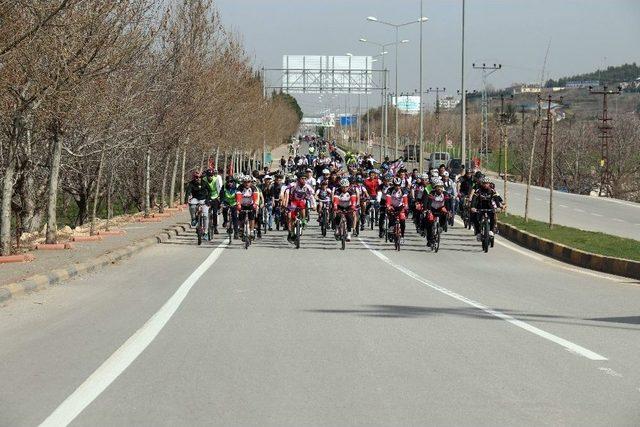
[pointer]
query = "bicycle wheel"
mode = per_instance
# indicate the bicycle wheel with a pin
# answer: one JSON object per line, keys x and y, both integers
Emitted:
{"x": 230, "y": 233}
{"x": 343, "y": 233}
{"x": 436, "y": 240}
{"x": 485, "y": 236}
{"x": 298, "y": 231}
{"x": 247, "y": 237}
{"x": 323, "y": 223}
{"x": 372, "y": 219}
{"x": 200, "y": 228}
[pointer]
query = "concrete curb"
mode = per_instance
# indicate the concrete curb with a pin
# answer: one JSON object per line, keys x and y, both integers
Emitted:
{"x": 41, "y": 281}
{"x": 605, "y": 264}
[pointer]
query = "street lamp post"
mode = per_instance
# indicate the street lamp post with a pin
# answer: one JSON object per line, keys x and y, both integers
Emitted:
{"x": 397, "y": 43}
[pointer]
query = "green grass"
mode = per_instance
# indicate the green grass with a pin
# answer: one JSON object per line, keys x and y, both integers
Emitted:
{"x": 589, "y": 241}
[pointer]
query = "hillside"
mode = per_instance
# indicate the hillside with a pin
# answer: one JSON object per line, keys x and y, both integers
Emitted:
{"x": 612, "y": 75}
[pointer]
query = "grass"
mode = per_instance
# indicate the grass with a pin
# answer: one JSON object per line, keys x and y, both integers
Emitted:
{"x": 588, "y": 241}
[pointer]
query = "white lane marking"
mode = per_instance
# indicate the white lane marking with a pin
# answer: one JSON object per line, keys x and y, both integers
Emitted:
{"x": 116, "y": 364}
{"x": 617, "y": 220}
{"x": 595, "y": 214}
{"x": 610, "y": 371}
{"x": 572, "y": 347}
{"x": 564, "y": 206}
{"x": 537, "y": 198}
{"x": 555, "y": 263}
{"x": 578, "y": 210}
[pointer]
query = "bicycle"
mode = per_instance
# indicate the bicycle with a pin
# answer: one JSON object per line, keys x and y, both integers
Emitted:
{"x": 246, "y": 232}
{"x": 324, "y": 217}
{"x": 374, "y": 208}
{"x": 230, "y": 230}
{"x": 485, "y": 227}
{"x": 199, "y": 224}
{"x": 397, "y": 231}
{"x": 297, "y": 230}
{"x": 437, "y": 232}
{"x": 341, "y": 230}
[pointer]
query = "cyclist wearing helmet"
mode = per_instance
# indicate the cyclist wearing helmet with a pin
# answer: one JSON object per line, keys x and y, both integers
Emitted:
{"x": 228, "y": 200}
{"x": 324, "y": 177}
{"x": 345, "y": 200}
{"x": 397, "y": 205}
{"x": 247, "y": 198}
{"x": 296, "y": 197}
{"x": 452, "y": 191}
{"x": 198, "y": 194}
{"x": 323, "y": 197}
{"x": 211, "y": 178}
{"x": 435, "y": 204}
{"x": 382, "y": 199}
{"x": 485, "y": 197}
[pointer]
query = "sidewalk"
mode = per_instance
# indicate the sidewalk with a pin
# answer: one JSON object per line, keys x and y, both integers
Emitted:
{"x": 84, "y": 252}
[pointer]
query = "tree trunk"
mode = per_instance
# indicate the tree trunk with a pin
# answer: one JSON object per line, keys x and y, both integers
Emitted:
{"x": 52, "y": 202}
{"x": 225, "y": 170}
{"x": 109, "y": 200}
{"x": 174, "y": 175}
{"x": 217, "y": 156}
{"x": 5, "y": 207}
{"x": 96, "y": 197}
{"x": 147, "y": 182}
{"x": 163, "y": 192}
{"x": 26, "y": 191}
{"x": 184, "y": 161}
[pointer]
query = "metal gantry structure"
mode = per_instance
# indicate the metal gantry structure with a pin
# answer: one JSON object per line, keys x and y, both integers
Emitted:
{"x": 487, "y": 70}
{"x": 605, "y": 134}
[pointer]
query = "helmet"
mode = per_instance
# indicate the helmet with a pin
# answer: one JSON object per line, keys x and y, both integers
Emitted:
{"x": 344, "y": 182}
{"x": 438, "y": 183}
{"x": 376, "y": 171}
{"x": 300, "y": 175}
{"x": 325, "y": 172}
{"x": 425, "y": 176}
{"x": 196, "y": 175}
{"x": 209, "y": 172}
{"x": 387, "y": 176}
{"x": 445, "y": 173}
{"x": 228, "y": 178}
{"x": 308, "y": 170}
{"x": 266, "y": 177}
{"x": 434, "y": 172}
{"x": 485, "y": 180}
{"x": 359, "y": 179}
{"x": 247, "y": 178}
{"x": 478, "y": 175}
{"x": 397, "y": 181}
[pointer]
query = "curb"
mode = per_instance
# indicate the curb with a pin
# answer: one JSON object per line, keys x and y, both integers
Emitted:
{"x": 602, "y": 263}
{"x": 42, "y": 281}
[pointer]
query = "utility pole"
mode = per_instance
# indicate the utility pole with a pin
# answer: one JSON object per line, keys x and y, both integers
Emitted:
{"x": 505, "y": 144}
{"x": 487, "y": 70}
{"x": 548, "y": 141}
{"x": 437, "y": 90}
{"x": 463, "y": 110}
{"x": 605, "y": 128}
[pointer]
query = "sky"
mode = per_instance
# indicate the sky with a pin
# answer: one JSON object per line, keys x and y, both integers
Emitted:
{"x": 584, "y": 35}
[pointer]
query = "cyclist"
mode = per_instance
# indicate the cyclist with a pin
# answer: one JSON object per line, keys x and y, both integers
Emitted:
{"x": 198, "y": 194}
{"x": 485, "y": 197}
{"x": 228, "y": 201}
{"x": 261, "y": 205}
{"x": 296, "y": 197}
{"x": 451, "y": 190}
{"x": 397, "y": 205}
{"x": 345, "y": 200}
{"x": 436, "y": 209}
{"x": 269, "y": 198}
{"x": 363, "y": 201}
{"x": 247, "y": 198}
{"x": 372, "y": 185}
{"x": 211, "y": 178}
{"x": 382, "y": 199}
{"x": 417, "y": 194}
{"x": 323, "y": 197}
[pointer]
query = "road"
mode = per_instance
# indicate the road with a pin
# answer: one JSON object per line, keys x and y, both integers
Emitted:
{"x": 219, "y": 335}
{"x": 319, "y": 336}
{"x": 610, "y": 216}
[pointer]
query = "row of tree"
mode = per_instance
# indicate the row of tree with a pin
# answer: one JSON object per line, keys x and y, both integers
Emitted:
{"x": 112, "y": 102}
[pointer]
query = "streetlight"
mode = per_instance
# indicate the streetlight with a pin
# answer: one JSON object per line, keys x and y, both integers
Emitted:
{"x": 397, "y": 27}
{"x": 383, "y": 121}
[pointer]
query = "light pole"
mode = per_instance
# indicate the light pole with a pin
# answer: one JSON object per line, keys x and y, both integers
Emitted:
{"x": 383, "y": 97}
{"x": 397, "y": 43}
{"x": 463, "y": 110}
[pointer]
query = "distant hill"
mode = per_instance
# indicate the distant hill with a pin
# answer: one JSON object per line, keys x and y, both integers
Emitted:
{"x": 612, "y": 75}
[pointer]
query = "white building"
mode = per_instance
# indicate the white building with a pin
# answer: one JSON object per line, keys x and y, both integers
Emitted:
{"x": 526, "y": 88}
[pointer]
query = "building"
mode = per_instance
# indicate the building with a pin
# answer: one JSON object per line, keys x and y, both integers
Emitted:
{"x": 448, "y": 102}
{"x": 526, "y": 88}
{"x": 582, "y": 84}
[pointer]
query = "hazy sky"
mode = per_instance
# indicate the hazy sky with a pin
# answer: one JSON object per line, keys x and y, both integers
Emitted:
{"x": 585, "y": 35}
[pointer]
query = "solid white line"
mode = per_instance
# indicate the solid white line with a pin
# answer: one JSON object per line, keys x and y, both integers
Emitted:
{"x": 111, "y": 368}
{"x": 564, "y": 206}
{"x": 595, "y": 214}
{"x": 574, "y": 348}
{"x": 617, "y": 220}
{"x": 578, "y": 210}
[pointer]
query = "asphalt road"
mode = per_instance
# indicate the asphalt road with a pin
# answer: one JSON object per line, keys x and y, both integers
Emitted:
{"x": 219, "y": 335}
{"x": 318, "y": 336}
{"x": 610, "y": 216}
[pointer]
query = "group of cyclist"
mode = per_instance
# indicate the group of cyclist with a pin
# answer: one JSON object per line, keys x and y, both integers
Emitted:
{"x": 356, "y": 190}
